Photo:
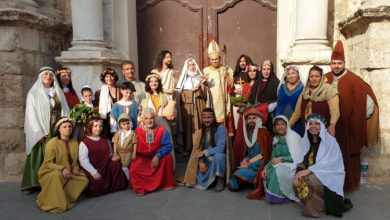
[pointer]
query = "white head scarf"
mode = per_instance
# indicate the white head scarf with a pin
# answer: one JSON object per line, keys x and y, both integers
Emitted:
{"x": 189, "y": 80}
{"x": 38, "y": 110}
{"x": 259, "y": 124}
{"x": 293, "y": 140}
{"x": 329, "y": 166}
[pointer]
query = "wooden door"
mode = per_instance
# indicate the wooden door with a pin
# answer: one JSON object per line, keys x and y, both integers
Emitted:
{"x": 186, "y": 27}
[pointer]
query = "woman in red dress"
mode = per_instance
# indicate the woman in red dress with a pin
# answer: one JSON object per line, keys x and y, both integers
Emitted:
{"x": 103, "y": 170}
{"x": 64, "y": 77}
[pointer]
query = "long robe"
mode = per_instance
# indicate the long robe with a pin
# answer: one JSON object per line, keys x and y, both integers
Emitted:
{"x": 246, "y": 174}
{"x": 219, "y": 90}
{"x": 112, "y": 177}
{"x": 192, "y": 104}
{"x": 214, "y": 158}
{"x": 321, "y": 191}
{"x": 353, "y": 129}
{"x": 145, "y": 178}
{"x": 264, "y": 139}
{"x": 273, "y": 191}
{"x": 287, "y": 100}
{"x": 58, "y": 194}
{"x": 35, "y": 158}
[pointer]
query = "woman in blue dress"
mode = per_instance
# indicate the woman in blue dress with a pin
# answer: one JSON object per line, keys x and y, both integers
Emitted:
{"x": 289, "y": 91}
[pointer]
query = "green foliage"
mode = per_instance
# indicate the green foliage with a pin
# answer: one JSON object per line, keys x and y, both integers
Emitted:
{"x": 81, "y": 113}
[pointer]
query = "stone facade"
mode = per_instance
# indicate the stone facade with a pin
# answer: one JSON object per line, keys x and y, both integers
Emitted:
{"x": 37, "y": 33}
{"x": 365, "y": 28}
{"x": 29, "y": 39}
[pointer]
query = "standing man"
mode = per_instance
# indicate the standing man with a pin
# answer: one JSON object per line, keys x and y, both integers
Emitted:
{"x": 128, "y": 71}
{"x": 219, "y": 78}
{"x": 358, "y": 124}
{"x": 207, "y": 162}
{"x": 164, "y": 68}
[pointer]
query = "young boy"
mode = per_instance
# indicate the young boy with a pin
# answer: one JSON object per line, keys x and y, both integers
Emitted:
{"x": 125, "y": 143}
{"x": 81, "y": 113}
{"x": 87, "y": 96}
{"x": 125, "y": 105}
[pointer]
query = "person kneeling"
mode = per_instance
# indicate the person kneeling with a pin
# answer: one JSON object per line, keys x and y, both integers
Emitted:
{"x": 251, "y": 155}
{"x": 320, "y": 174}
{"x": 207, "y": 164}
{"x": 60, "y": 176}
{"x": 152, "y": 168}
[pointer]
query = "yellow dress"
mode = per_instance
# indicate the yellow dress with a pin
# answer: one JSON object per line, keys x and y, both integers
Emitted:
{"x": 57, "y": 194}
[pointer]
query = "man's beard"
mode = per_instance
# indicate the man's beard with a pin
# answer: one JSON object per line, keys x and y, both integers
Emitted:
{"x": 169, "y": 65}
{"x": 251, "y": 126}
{"x": 339, "y": 73}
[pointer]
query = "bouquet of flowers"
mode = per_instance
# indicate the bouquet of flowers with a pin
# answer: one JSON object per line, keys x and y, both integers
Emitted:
{"x": 81, "y": 113}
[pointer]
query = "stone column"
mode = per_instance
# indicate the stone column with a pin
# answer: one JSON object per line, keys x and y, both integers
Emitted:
{"x": 89, "y": 54}
{"x": 87, "y": 23}
{"x": 310, "y": 45}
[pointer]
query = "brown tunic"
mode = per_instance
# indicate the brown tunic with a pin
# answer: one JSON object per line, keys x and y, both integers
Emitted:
{"x": 353, "y": 130}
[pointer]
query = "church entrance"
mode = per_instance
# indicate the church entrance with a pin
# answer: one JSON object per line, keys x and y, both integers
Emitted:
{"x": 186, "y": 27}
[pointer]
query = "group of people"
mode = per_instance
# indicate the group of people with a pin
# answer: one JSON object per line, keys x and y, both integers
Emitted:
{"x": 243, "y": 128}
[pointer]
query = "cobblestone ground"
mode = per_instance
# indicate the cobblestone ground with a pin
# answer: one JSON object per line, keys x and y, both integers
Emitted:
{"x": 371, "y": 201}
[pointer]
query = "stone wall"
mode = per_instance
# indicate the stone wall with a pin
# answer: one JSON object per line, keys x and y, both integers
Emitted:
{"x": 30, "y": 38}
{"x": 365, "y": 29}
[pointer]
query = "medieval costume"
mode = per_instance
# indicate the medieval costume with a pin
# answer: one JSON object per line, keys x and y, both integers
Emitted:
{"x": 128, "y": 107}
{"x": 279, "y": 178}
{"x": 193, "y": 98}
{"x": 145, "y": 178}
{"x": 263, "y": 94}
{"x": 323, "y": 100}
{"x": 248, "y": 146}
{"x": 95, "y": 157}
{"x": 287, "y": 99}
{"x": 358, "y": 124}
{"x": 44, "y": 106}
{"x": 59, "y": 194}
{"x": 219, "y": 81}
{"x": 124, "y": 142}
{"x": 321, "y": 191}
{"x": 213, "y": 146}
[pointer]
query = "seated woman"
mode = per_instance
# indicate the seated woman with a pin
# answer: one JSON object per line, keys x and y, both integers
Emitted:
{"x": 103, "y": 170}
{"x": 278, "y": 173}
{"x": 320, "y": 174}
{"x": 60, "y": 176}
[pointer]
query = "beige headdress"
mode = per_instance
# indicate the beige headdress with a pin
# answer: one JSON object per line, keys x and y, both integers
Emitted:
{"x": 152, "y": 75}
{"x": 213, "y": 49}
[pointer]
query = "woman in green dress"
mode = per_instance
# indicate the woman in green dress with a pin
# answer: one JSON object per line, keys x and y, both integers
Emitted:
{"x": 278, "y": 172}
{"x": 45, "y": 104}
